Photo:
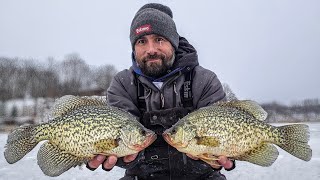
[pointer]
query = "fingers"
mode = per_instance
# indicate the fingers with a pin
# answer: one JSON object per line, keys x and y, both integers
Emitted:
{"x": 109, "y": 163}
{"x": 95, "y": 162}
{"x": 225, "y": 162}
{"x": 130, "y": 158}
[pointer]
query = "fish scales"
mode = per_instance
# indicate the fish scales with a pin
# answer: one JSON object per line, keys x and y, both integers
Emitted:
{"x": 244, "y": 130}
{"x": 81, "y": 129}
{"x": 237, "y": 130}
{"x": 76, "y": 134}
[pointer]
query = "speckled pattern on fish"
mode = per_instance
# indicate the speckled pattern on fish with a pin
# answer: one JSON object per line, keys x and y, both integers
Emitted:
{"x": 237, "y": 130}
{"x": 82, "y": 128}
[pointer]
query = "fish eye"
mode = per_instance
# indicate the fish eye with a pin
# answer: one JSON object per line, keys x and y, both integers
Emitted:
{"x": 143, "y": 132}
{"x": 174, "y": 130}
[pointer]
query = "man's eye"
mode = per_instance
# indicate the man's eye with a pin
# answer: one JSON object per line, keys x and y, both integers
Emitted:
{"x": 160, "y": 39}
{"x": 140, "y": 41}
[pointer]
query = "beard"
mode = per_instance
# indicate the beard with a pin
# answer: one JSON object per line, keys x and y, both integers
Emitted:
{"x": 157, "y": 68}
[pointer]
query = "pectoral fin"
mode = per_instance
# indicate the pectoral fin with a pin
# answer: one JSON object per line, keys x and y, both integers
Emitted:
{"x": 208, "y": 141}
{"x": 54, "y": 161}
{"x": 211, "y": 162}
{"x": 210, "y": 159}
{"x": 105, "y": 145}
{"x": 264, "y": 155}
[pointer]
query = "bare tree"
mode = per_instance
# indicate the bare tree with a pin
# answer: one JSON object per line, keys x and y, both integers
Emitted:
{"x": 71, "y": 76}
{"x": 8, "y": 73}
{"x": 103, "y": 76}
{"x": 74, "y": 74}
{"x": 229, "y": 93}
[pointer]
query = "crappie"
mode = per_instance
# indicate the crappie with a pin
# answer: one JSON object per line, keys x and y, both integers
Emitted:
{"x": 236, "y": 129}
{"x": 81, "y": 128}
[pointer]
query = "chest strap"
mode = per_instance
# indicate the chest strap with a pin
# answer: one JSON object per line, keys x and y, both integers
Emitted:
{"x": 141, "y": 98}
{"x": 185, "y": 92}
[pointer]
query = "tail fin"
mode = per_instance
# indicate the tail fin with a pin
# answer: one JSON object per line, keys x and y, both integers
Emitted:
{"x": 294, "y": 139}
{"x": 20, "y": 142}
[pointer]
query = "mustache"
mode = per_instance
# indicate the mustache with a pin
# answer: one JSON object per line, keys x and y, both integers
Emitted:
{"x": 155, "y": 56}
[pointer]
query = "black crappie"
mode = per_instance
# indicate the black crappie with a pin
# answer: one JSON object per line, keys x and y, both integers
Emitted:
{"x": 81, "y": 128}
{"x": 236, "y": 129}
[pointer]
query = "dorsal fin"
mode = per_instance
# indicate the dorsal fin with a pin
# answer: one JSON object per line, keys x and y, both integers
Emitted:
{"x": 69, "y": 103}
{"x": 251, "y": 107}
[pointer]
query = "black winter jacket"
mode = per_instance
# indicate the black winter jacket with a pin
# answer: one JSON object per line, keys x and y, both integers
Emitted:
{"x": 206, "y": 90}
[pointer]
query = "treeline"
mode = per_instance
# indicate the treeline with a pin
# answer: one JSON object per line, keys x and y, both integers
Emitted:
{"x": 305, "y": 111}
{"x": 51, "y": 78}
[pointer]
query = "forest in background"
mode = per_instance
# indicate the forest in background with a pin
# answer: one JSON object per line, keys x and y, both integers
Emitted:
{"x": 53, "y": 78}
{"x": 28, "y": 89}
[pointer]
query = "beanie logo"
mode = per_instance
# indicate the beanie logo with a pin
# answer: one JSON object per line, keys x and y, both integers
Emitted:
{"x": 143, "y": 28}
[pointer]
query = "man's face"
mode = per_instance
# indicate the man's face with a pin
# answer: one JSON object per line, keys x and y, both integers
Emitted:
{"x": 154, "y": 55}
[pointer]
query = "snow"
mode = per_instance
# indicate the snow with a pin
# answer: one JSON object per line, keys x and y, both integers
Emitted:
{"x": 286, "y": 166}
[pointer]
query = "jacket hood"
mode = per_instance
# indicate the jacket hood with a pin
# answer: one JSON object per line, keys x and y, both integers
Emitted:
{"x": 186, "y": 56}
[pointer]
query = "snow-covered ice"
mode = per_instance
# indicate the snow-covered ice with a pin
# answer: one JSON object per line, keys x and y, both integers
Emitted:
{"x": 286, "y": 166}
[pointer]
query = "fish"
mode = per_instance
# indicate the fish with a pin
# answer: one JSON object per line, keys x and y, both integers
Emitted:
{"x": 237, "y": 129}
{"x": 81, "y": 128}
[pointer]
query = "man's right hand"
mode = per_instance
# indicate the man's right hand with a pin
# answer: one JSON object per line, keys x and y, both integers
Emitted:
{"x": 108, "y": 162}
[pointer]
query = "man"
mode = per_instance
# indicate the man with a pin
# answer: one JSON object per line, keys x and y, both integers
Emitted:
{"x": 164, "y": 83}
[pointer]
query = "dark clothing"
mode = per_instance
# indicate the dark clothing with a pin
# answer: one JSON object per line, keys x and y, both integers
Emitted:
{"x": 206, "y": 86}
{"x": 163, "y": 109}
{"x": 213, "y": 175}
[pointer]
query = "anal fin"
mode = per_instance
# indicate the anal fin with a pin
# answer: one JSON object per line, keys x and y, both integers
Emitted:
{"x": 53, "y": 161}
{"x": 264, "y": 155}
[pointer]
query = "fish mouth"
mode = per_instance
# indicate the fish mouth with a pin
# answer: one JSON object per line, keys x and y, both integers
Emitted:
{"x": 169, "y": 140}
{"x": 150, "y": 138}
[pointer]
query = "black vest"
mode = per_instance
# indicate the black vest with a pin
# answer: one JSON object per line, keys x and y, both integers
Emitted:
{"x": 160, "y": 160}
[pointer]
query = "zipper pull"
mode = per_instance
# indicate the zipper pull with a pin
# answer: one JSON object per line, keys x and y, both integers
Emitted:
{"x": 162, "y": 100}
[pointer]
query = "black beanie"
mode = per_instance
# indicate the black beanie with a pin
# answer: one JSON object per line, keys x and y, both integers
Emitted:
{"x": 154, "y": 18}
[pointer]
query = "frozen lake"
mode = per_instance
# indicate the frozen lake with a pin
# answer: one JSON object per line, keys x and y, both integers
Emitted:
{"x": 286, "y": 166}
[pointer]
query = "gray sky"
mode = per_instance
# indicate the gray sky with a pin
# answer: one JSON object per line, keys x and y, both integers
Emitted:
{"x": 266, "y": 50}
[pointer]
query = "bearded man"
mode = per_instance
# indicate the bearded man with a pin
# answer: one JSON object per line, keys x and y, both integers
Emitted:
{"x": 164, "y": 83}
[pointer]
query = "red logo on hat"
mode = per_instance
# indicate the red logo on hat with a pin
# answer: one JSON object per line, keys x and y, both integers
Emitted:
{"x": 143, "y": 28}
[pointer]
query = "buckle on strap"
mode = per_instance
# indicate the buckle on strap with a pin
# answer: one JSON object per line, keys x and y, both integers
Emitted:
{"x": 154, "y": 157}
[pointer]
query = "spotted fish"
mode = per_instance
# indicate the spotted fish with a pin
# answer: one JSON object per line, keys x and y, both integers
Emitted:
{"x": 237, "y": 130}
{"x": 82, "y": 127}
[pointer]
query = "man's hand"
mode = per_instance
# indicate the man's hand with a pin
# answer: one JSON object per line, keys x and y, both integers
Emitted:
{"x": 223, "y": 161}
{"x": 108, "y": 162}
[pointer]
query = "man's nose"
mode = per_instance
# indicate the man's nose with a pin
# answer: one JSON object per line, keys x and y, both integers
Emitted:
{"x": 151, "y": 48}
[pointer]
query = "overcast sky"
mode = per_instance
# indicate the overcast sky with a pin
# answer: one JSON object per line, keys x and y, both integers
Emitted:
{"x": 266, "y": 50}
